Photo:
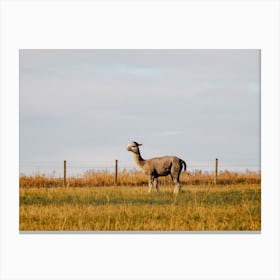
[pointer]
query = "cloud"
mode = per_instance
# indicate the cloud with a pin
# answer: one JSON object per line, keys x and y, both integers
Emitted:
{"x": 137, "y": 71}
{"x": 172, "y": 132}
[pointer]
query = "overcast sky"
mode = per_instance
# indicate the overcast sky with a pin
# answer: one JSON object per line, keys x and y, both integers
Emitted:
{"x": 86, "y": 105}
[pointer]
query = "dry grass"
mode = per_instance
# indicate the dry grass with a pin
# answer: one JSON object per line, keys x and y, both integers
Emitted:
{"x": 203, "y": 207}
{"x": 135, "y": 178}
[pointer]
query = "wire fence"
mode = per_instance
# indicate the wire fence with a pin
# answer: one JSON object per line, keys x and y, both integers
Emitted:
{"x": 55, "y": 169}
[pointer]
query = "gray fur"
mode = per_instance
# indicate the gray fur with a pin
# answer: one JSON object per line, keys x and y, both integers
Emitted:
{"x": 159, "y": 166}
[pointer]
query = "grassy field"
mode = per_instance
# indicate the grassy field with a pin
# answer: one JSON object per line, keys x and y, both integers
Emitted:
{"x": 197, "y": 208}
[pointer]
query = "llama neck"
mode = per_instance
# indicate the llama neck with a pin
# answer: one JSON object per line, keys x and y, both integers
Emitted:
{"x": 138, "y": 159}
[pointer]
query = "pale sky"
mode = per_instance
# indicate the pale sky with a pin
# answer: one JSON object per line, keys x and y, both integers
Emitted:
{"x": 86, "y": 105}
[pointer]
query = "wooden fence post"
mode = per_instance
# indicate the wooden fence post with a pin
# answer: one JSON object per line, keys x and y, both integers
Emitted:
{"x": 64, "y": 174}
{"x": 216, "y": 171}
{"x": 116, "y": 173}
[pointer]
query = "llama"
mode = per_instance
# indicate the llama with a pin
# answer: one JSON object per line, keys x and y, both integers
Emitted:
{"x": 159, "y": 166}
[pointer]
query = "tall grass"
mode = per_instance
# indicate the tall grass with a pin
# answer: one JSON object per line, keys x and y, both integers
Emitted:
{"x": 135, "y": 178}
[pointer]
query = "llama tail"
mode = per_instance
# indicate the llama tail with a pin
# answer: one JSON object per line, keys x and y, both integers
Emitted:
{"x": 184, "y": 164}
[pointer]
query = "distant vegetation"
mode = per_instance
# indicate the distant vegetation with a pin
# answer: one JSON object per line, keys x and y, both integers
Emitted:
{"x": 136, "y": 178}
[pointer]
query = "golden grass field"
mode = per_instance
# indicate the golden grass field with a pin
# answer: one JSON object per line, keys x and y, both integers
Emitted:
{"x": 233, "y": 204}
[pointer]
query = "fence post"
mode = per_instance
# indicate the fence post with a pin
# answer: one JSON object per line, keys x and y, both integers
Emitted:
{"x": 116, "y": 173}
{"x": 64, "y": 174}
{"x": 216, "y": 171}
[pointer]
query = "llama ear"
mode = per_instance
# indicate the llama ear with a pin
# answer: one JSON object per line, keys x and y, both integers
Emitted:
{"x": 139, "y": 144}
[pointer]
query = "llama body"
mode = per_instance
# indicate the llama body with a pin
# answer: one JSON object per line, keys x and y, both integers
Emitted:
{"x": 159, "y": 166}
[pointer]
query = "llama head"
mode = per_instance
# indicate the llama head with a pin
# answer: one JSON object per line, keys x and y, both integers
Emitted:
{"x": 133, "y": 147}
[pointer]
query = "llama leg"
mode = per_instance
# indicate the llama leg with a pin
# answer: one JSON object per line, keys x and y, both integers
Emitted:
{"x": 150, "y": 183}
{"x": 156, "y": 184}
{"x": 177, "y": 186}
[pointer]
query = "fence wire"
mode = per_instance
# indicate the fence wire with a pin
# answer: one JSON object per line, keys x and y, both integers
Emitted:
{"x": 80, "y": 168}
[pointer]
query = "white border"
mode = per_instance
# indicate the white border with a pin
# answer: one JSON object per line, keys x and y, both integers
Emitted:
{"x": 143, "y": 24}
